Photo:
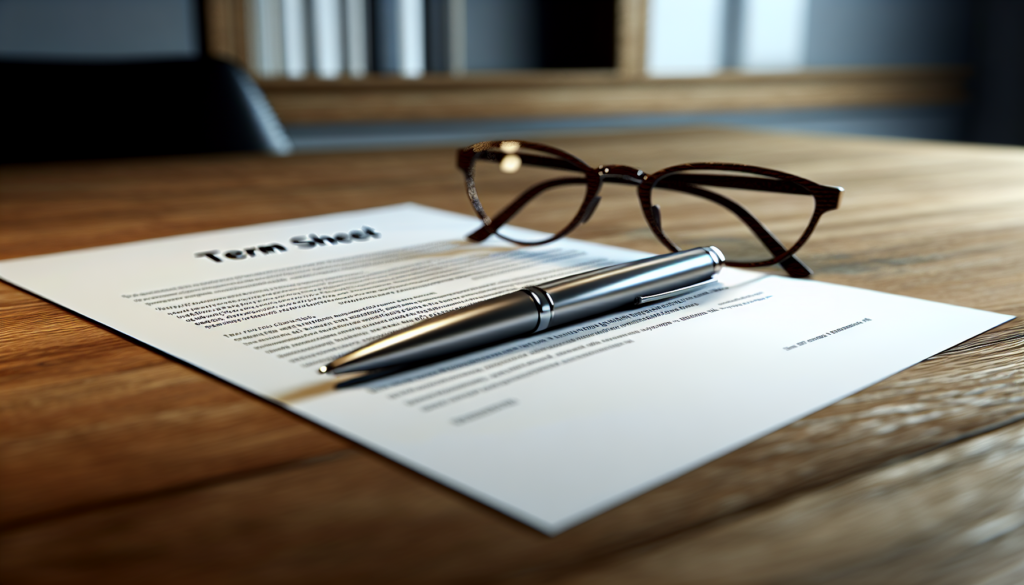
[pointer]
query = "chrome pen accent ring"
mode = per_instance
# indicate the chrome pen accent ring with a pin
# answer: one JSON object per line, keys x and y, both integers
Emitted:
{"x": 545, "y": 306}
{"x": 717, "y": 257}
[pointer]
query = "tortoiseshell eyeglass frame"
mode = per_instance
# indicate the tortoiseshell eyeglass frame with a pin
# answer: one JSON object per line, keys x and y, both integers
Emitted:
{"x": 826, "y": 198}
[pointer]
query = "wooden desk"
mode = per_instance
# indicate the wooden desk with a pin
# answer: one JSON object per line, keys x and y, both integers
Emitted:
{"x": 121, "y": 465}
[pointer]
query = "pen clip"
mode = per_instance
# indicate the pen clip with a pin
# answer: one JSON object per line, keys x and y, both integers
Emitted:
{"x": 640, "y": 301}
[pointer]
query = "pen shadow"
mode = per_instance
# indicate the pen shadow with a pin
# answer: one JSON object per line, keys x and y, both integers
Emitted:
{"x": 760, "y": 277}
{"x": 349, "y": 380}
{"x": 364, "y": 379}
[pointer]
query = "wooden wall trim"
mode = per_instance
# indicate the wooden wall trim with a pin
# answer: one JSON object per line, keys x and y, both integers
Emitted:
{"x": 576, "y": 93}
{"x": 630, "y": 26}
{"x": 224, "y": 30}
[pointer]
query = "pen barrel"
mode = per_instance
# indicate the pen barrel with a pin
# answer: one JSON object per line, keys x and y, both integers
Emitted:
{"x": 473, "y": 327}
{"x": 617, "y": 287}
{"x": 534, "y": 309}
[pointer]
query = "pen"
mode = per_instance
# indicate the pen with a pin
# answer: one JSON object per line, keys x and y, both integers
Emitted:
{"x": 535, "y": 309}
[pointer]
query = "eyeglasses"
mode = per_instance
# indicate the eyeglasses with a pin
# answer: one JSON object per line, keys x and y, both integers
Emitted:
{"x": 530, "y": 194}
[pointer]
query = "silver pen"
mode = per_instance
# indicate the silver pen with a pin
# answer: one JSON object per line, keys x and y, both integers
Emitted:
{"x": 535, "y": 309}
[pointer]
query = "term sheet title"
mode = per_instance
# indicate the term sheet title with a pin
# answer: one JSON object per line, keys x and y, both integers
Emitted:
{"x": 299, "y": 242}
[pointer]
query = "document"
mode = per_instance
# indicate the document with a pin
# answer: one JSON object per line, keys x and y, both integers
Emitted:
{"x": 550, "y": 429}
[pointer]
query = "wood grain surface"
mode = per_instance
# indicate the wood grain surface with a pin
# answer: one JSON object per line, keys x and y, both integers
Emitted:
{"x": 122, "y": 465}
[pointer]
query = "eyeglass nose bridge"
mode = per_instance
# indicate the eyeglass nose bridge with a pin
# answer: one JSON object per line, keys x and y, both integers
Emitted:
{"x": 624, "y": 173}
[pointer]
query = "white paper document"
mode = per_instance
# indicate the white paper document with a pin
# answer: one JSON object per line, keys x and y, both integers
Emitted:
{"x": 550, "y": 429}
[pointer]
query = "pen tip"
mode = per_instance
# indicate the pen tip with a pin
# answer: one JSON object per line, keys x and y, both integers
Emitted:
{"x": 323, "y": 369}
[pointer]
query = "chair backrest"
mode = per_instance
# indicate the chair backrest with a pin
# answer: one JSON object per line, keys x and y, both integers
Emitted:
{"x": 65, "y": 111}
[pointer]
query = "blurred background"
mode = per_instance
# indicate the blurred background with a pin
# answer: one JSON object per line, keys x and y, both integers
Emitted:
{"x": 374, "y": 74}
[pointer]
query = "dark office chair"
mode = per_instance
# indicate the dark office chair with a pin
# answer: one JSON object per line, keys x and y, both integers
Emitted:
{"x": 86, "y": 111}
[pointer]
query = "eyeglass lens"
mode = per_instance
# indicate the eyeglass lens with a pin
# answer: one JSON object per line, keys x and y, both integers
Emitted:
{"x": 550, "y": 196}
{"x": 697, "y": 210}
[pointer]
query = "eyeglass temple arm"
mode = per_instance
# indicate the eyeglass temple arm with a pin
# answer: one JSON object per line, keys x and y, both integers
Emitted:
{"x": 530, "y": 159}
{"x": 752, "y": 183}
{"x": 792, "y": 265}
{"x": 509, "y": 212}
